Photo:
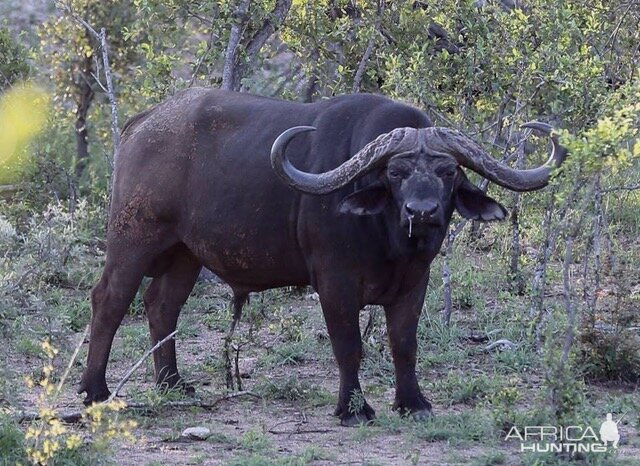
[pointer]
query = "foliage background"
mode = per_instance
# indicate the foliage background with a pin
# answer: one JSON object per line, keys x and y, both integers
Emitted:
{"x": 566, "y": 285}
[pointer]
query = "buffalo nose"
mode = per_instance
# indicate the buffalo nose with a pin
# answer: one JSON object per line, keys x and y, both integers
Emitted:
{"x": 421, "y": 208}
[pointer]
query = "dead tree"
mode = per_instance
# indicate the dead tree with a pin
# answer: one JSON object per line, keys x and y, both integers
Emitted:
{"x": 357, "y": 80}
{"x": 242, "y": 48}
{"x": 107, "y": 87}
{"x": 84, "y": 98}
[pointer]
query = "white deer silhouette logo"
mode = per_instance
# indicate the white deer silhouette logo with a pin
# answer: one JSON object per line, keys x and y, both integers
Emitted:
{"x": 609, "y": 431}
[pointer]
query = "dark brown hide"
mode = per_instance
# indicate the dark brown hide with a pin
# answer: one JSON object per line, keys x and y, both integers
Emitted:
{"x": 194, "y": 186}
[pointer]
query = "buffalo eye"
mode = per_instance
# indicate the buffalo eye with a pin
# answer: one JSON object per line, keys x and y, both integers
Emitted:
{"x": 447, "y": 172}
{"x": 395, "y": 174}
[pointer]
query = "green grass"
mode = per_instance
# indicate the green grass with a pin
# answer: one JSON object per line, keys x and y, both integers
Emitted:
{"x": 287, "y": 354}
{"x": 490, "y": 459}
{"x": 463, "y": 388}
{"x": 256, "y": 449}
{"x": 292, "y": 389}
{"x": 11, "y": 442}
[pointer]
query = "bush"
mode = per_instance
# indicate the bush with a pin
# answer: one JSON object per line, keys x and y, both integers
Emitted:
{"x": 13, "y": 60}
{"x": 57, "y": 248}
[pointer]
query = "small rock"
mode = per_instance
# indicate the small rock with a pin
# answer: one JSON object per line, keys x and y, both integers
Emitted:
{"x": 313, "y": 297}
{"x": 196, "y": 433}
{"x": 246, "y": 366}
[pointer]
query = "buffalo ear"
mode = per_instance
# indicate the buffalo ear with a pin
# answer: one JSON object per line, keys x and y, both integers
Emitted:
{"x": 473, "y": 204}
{"x": 367, "y": 201}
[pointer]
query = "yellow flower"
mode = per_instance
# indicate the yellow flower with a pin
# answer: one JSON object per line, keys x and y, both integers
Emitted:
{"x": 46, "y": 412}
{"x": 74, "y": 441}
{"x": 48, "y": 348}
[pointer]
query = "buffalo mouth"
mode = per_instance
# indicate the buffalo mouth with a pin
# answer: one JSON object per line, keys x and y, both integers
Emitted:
{"x": 417, "y": 228}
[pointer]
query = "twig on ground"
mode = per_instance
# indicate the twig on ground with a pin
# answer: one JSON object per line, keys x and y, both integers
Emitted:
{"x": 76, "y": 416}
{"x": 633, "y": 187}
{"x": 72, "y": 360}
{"x": 70, "y": 417}
{"x": 299, "y": 431}
{"x": 9, "y": 188}
{"x": 503, "y": 343}
{"x": 194, "y": 403}
{"x": 135, "y": 367}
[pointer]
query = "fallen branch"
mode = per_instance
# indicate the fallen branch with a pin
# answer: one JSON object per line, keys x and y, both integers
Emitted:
{"x": 9, "y": 188}
{"x": 135, "y": 367}
{"x": 503, "y": 343}
{"x": 634, "y": 187}
{"x": 300, "y": 431}
{"x": 193, "y": 403}
{"x": 69, "y": 417}
{"x": 72, "y": 417}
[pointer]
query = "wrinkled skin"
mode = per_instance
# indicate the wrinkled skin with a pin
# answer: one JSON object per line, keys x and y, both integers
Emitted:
{"x": 194, "y": 186}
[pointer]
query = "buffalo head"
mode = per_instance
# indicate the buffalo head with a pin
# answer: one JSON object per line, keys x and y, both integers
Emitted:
{"x": 420, "y": 175}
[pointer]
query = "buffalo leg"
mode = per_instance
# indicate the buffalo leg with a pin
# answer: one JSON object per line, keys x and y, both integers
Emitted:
{"x": 163, "y": 301}
{"x": 402, "y": 326}
{"x": 110, "y": 300}
{"x": 344, "y": 331}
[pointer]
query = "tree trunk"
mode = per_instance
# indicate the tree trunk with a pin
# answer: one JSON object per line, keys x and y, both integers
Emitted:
{"x": 235, "y": 66}
{"x": 84, "y": 100}
{"x": 230, "y": 72}
{"x": 517, "y": 281}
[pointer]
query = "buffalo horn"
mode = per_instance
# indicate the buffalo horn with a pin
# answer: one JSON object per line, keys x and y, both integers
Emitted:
{"x": 434, "y": 141}
{"x": 374, "y": 154}
{"x": 470, "y": 154}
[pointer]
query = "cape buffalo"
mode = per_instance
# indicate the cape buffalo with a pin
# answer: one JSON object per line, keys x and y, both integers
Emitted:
{"x": 370, "y": 187}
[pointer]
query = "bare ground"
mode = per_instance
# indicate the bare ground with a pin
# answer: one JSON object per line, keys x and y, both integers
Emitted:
{"x": 290, "y": 419}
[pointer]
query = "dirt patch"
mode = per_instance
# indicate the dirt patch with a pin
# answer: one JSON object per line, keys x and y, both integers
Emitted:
{"x": 286, "y": 362}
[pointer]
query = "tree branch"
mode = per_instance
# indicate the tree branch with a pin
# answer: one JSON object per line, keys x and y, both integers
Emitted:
{"x": 357, "y": 80}
{"x": 279, "y": 14}
{"x": 257, "y": 41}
{"x": 230, "y": 71}
{"x": 634, "y": 187}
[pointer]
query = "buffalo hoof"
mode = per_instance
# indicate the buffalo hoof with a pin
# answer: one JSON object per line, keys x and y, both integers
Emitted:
{"x": 418, "y": 408}
{"x": 94, "y": 396}
{"x": 350, "y": 419}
